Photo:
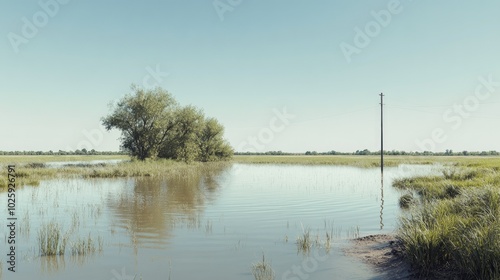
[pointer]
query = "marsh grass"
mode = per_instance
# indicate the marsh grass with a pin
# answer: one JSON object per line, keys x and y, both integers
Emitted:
{"x": 24, "y": 225}
{"x": 263, "y": 270}
{"x": 353, "y": 232}
{"x": 32, "y": 173}
{"x": 85, "y": 246}
{"x": 457, "y": 224}
{"x": 328, "y": 240}
{"x": 51, "y": 241}
{"x": 21, "y": 160}
{"x": 369, "y": 161}
{"x": 406, "y": 200}
{"x": 443, "y": 187}
{"x": 358, "y": 161}
{"x": 75, "y": 221}
{"x": 154, "y": 168}
{"x": 305, "y": 241}
{"x": 34, "y": 165}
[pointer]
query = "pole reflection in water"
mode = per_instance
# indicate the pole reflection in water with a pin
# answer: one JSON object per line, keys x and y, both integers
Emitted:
{"x": 382, "y": 201}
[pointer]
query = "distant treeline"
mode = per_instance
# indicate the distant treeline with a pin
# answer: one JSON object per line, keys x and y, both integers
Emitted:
{"x": 60, "y": 153}
{"x": 368, "y": 152}
{"x": 272, "y": 153}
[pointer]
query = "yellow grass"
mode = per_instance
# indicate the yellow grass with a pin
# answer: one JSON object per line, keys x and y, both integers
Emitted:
{"x": 365, "y": 161}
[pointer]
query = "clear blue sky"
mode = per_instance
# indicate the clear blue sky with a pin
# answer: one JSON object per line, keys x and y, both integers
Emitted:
{"x": 244, "y": 62}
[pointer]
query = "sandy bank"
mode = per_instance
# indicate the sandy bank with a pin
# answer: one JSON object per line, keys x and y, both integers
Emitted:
{"x": 383, "y": 252}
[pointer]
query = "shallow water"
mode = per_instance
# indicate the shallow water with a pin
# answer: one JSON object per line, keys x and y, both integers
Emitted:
{"x": 212, "y": 227}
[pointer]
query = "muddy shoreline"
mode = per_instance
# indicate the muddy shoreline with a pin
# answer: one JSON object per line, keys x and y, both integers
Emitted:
{"x": 383, "y": 252}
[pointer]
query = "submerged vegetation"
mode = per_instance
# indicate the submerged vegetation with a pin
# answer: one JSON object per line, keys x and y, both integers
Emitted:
{"x": 304, "y": 242}
{"x": 51, "y": 241}
{"x": 262, "y": 270}
{"x": 456, "y": 226}
{"x": 84, "y": 246}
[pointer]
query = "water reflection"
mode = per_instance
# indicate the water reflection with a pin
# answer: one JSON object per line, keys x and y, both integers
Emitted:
{"x": 155, "y": 206}
{"x": 382, "y": 201}
{"x": 52, "y": 264}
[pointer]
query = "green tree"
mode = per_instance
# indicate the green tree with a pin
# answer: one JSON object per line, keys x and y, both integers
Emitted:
{"x": 182, "y": 143}
{"x": 145, "y": 119}
{"x": 212, "y": 145}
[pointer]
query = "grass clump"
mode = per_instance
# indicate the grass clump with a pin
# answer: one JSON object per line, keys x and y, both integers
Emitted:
{"x": 406, "y": 200}
{"x": 86, "y": 246}
{"x": 50, "y": 240}
{"x": 35, "y": 165}
{"x": 304, "y": 242}
{"x": 262, "y": 270}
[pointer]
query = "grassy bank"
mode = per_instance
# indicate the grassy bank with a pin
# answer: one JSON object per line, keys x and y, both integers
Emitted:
{"x": 31, "y": 170}
{"x": 5, "y": 160}
{"x": 455, "y": 225}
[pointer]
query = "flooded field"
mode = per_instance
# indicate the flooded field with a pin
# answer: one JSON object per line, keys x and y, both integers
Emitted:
{"x": 212, "y": 227}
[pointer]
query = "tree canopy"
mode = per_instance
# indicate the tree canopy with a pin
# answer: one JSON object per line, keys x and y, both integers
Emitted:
{"x": 154, "y": 125}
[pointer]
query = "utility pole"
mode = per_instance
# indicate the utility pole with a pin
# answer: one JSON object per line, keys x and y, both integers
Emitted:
{"x": 381, "y": 160}
{"x": 382, "y": 133}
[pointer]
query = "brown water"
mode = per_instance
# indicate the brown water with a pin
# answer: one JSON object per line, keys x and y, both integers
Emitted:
{"x": 210, "y": 227}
